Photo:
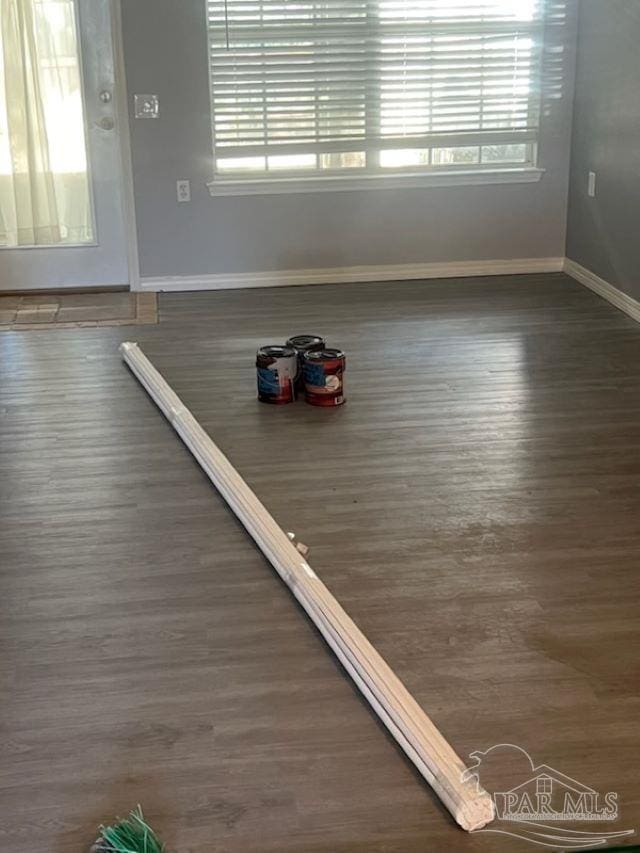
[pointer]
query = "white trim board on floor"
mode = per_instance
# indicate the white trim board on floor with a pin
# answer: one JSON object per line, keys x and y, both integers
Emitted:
{"x": 342, "y": 275}
{"x": 603, "y": 288}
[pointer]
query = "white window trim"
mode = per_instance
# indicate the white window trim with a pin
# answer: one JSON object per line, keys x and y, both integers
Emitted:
{"x": 346, "y": 183}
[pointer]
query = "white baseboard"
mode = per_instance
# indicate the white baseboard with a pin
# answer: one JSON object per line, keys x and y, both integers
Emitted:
{"x": 603, "y": 288}
{"x": 342, "y": 275}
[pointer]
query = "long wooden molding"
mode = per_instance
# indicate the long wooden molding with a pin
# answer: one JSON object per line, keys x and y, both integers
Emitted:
{"x": 603, "y": 288}
{"x": 418, "y": 736}
{"x": 348, "y": 275}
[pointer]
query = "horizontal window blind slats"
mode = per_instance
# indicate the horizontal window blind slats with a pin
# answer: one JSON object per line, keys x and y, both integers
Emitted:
{"x": 244, "y": 31}
{"x": 330, "y": 114}
{"x": 307, "y": 100}
{"x": 314, "y": 77}
{"x": 320, "y": 63}
{"x": 391, "y": 142}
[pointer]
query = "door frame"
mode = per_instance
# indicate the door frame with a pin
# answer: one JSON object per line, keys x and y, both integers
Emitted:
{"x": 124, "y": 158}
{"x": 121, "y": 99}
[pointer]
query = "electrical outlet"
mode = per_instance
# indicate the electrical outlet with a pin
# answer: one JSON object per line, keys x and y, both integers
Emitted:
{"x": 183, "y": 190}
{"x": 146, "y": 106}
{"x": 591, "y": 188}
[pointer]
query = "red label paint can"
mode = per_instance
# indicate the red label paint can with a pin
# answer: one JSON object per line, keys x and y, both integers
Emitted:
{"x": 302, "y": 344}
{"x": 277, "y": 368}
{"x": 323, "y": 373}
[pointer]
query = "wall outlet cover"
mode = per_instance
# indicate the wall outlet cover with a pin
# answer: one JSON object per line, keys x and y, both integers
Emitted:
{"x": 146, "y": 106}
{"x": 183, "y": 190}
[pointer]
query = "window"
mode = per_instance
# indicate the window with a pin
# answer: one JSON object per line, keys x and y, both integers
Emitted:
{"x": 544, "y": 785}
{"x": 329, "y": 88}
{"x": 45, "y": 197}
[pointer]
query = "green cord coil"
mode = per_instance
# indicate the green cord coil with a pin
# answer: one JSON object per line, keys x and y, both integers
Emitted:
{"x": 132, "y": 835}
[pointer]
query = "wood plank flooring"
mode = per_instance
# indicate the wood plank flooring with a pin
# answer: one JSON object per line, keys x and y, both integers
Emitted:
{"x": 475, "y": 507}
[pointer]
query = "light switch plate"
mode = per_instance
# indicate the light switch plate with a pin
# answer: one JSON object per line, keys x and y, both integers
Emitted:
{"x": 146, "y": 106}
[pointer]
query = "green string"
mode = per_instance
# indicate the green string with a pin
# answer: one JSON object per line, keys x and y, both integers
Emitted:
{"x": 132, "y": 835}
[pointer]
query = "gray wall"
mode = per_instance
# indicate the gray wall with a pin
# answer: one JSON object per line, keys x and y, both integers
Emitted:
{"x": 166, "y": 53}
{"x": 603, "y": 231}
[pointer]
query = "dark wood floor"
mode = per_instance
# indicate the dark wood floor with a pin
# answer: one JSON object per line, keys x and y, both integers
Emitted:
{"x": 475, "y": 507}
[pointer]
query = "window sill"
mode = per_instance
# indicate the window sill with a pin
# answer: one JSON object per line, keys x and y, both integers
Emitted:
{"x": 344, "y": 183}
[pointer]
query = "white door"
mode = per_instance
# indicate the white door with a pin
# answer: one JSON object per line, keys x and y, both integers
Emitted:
{"x": 62, "y": 215}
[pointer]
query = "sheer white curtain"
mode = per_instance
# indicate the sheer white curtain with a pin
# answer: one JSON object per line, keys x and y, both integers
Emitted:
{"x": 45, "y": 197}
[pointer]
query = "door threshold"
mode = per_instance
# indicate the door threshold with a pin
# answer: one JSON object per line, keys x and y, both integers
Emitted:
{"x": 80, "y": 310}
{"x": 61, "y": 291}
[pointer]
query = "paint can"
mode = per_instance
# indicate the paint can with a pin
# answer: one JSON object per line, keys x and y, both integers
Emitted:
{"x": 302, "y": 344}
{"x": 277, "y": 368}
{"x": 323, "y": 373}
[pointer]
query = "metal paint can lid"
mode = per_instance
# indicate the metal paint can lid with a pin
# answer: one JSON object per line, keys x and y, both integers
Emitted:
{"x": 304, "y": 343}
{"x": 327, "y": 354}
{"x": 273, "y": 351}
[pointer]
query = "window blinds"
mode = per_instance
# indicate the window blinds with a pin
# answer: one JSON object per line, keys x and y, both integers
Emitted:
{"x": 300, "y": 77}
